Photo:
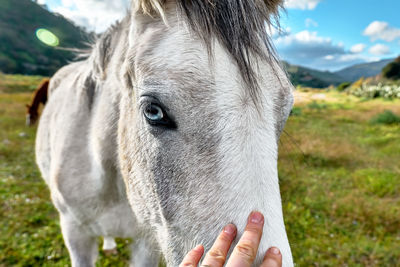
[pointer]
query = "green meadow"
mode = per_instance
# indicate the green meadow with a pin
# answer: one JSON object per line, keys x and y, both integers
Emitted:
{"x": 339, "y": 169}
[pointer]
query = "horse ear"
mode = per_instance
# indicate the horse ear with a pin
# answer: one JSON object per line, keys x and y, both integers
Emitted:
{"x": 149, "y": 6}
{"x": 152, "y": 8}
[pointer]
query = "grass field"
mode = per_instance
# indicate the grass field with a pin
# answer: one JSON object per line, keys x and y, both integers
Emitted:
{"x": 339, "y": 170}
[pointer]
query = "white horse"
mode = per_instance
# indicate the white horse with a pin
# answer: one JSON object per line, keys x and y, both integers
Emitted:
{"x": 168, "y": 131}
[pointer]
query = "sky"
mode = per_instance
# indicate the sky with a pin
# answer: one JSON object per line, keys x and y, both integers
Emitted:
{"x": 320, "y": 34}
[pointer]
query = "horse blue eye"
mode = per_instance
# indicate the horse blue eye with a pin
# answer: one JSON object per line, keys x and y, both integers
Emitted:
{"x": 154, "y": 113}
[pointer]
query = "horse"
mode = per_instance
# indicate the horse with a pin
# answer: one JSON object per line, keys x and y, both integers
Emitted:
{"x": 39, "y": 96}
{"x": 168, "y": 130}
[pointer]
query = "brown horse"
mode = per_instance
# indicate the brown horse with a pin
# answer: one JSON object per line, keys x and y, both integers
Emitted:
{"x": 39, "y": 96}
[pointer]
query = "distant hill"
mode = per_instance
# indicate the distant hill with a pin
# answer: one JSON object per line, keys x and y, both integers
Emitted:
{"x": 21, "y": 51}
{"x": 320, "y": 79}
{"x": 355, "y": 72}
{"x": 311, "y": 78}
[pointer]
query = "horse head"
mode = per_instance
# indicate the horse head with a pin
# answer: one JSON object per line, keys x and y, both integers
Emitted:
{"x": 204, "y": 101}
{"x": 31, "y": 115}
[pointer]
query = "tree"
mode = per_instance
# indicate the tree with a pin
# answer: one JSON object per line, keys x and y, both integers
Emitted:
{"x": 392, "y": 70}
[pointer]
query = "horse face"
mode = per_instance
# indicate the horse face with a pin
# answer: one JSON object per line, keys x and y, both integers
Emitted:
{"x": 197, "y": 151}
{"x": 31, "y": 116}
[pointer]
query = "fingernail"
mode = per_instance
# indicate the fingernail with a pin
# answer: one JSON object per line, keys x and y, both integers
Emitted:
{"x": 230, "y": 229}
{"x": 256, "y": 217}
{"x": 274, "y": 251}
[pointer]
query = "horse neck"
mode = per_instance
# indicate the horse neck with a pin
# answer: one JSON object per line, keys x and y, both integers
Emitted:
{"x": 40, "y": 97}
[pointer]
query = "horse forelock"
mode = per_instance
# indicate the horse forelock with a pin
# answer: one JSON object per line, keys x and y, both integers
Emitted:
{"x": 239, "y": 25}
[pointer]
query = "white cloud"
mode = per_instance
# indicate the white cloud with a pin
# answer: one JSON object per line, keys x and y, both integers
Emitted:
{"x": 308, "y": 49}
{"x": 67, "y": 3}
{"x": 358, "y": 48}
{"x": 351, "y": 58}
{"x": 379, "y": 50}
{"x": 381, "y": 30}
{"x": 311, "y": 50}
{"x": 374, "y": 59}
{"x": 311, "y": 23}
{"x": 95, "y": 15}
{"x": 302, "y": 4}
{"x": 338, "y": 62}
{"x": 41, "y": 2}
{"x": 308, "y": 43}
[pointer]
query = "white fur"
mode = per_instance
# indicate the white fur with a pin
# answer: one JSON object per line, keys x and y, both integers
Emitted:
{"x": 249, "y": 148}
{"x": 96, "y": 154}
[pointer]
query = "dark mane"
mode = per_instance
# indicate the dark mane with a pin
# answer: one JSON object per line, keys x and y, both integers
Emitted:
{"x": 240, "y": 26}
{"x": 39, "y": 97}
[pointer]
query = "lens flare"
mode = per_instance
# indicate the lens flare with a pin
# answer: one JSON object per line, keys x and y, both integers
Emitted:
{"x": 47, "y": 37}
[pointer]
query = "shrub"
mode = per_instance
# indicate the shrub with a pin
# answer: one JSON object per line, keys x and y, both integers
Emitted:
{"x": 388, "y": 91}
{"x": 358, "y": 83}
{"x": 387, "y": 117}
{"x": 296, "y": 111}
{"x": 343, "y": 86}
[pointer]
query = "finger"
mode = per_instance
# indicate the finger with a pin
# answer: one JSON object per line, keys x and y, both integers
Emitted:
{"x": 193, "y": 257}
{"x": 273, "y": 258}
{"x": 246, "y": 250}
{"x": 217, "y": 255}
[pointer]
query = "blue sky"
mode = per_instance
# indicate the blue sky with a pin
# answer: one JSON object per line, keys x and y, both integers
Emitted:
{"x": 322, "y": 37}
{"x": 321, "y": 34}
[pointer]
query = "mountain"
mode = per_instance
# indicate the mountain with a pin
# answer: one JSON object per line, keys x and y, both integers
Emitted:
{"x": 320, "y": 79}
{"x": 20, "y": 49}
{"x": 311, "y": 78}
{"x": 22, "y": 52}
{"x": 355, "y": 72}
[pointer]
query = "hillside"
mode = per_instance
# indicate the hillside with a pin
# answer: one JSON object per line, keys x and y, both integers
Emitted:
{"x": 355, "y": 72}
{"x": 311, "y": 78}
{"x": 20, "y": 49}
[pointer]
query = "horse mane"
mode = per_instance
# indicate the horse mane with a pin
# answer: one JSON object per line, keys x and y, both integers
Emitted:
{"x": 39, "y": 96}
{"x": 239, "y": 25}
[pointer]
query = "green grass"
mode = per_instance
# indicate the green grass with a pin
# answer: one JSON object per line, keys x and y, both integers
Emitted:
{"x": 386, "y": 117}
{"x": 316, "y": 105}
{"x": 340, "y": 184}
{"x": 18, "y": 83}
{"x": 30, "y": 233}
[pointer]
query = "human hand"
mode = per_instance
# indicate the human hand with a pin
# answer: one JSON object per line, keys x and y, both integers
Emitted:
{"x": 244, "y": 252}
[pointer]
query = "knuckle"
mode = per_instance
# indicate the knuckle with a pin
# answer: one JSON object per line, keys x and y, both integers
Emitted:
{"x": 225, "y": 238}
{"x": 246, "y": 251}
{"x": 217, "y": 256}
{"x": 254, "y": 229}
